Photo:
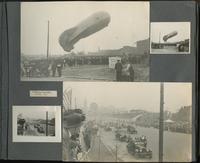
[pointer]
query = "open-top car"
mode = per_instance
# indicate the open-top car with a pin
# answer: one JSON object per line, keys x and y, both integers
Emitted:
{"x": 142, "y": 141}
{"x": 138, "y": 150}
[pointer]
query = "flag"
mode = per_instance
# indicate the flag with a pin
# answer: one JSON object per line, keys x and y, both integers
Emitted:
{"x": 67, "y": 99}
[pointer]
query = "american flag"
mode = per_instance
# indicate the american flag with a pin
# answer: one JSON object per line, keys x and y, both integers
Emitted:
{"x": 67, "y": 99}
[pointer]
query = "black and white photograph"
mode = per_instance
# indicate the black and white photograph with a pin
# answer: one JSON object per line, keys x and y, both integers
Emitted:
{"x": 170, "y": 38}
{"x": 127, "y": 122}
{"x": 36, "y": 123}
{"x": 85, "y": 41}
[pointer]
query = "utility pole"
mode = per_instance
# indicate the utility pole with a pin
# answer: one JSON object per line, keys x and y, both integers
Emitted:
{"x": 99, "y": 148}
{"x": 116, "y": 146}
{"x": 161, "y": 123}
{"x": 47, "y": 123}
{"x": 48, "y": 40}
{"x": 116, "y": 152}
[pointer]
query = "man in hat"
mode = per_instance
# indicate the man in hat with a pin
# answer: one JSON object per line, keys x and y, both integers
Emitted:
{"x": 118, "y": 68}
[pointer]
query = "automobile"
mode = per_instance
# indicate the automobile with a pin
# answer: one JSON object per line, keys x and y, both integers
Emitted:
{"x": 131, "y": 130}
{"x": 138, "y": 150}
{"x": 36, "y": 125}
{"x": 123, "y": 138}
{"x": 117, "y": 135}
{"x": 108, "y": 129}
{"x": 121, "y": 135}
{"x": 143, "y": 153}
{"x": 129, "y": 138}
{"x": 40, "y": 129}
{"x": 141, "y": 141}
{"x": 118, "y": 127}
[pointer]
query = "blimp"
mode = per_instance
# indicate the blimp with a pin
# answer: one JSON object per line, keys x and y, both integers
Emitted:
{"x": 170, "y": 35}
{"x": 87, "y": 27}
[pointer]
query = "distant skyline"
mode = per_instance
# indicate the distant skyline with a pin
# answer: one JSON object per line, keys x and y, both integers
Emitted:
{"x": 129, "y": 23}
{"x": 137, "y": 95}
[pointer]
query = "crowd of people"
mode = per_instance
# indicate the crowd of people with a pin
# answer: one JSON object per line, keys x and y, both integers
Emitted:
{"x": 21, "y": 126}
{"x": 54, "y": 67}
{"x": 75, "y": 147}
{"x": 182, "y": 127}
{"x": 42, "y": 68}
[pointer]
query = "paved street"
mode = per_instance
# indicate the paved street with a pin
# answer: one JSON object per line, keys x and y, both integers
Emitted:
{"x": 100, "y": 152}
{"x": 31, "y": 131}
{"x": 177, "y": 146}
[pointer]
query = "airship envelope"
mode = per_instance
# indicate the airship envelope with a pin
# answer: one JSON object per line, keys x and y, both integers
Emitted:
{"x": 87, "y": 27}
{"x": 170, "y": 35}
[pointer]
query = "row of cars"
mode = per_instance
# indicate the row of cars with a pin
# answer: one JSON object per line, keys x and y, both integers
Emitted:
{"x": 136, "y": 146}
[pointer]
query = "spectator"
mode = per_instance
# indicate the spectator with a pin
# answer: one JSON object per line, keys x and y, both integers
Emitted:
{"x": 59, "y": 69}
{"x": 118, "y": 68}
{"x": 130, "y": 71}
{"x": 53, "y": 67}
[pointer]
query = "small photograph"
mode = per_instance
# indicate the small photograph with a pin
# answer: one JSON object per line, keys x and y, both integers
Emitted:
{"x": 170, "y": 38}
{"x": 85, "y": 41}
{"x": 127, "y": 122}
{"x": 36, "y": 123}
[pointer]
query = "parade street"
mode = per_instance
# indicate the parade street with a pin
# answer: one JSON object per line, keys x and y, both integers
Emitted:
{"x": 110, "y": 147}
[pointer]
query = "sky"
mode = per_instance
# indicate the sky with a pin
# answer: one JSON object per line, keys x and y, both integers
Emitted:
{"x": 129, "y": 23}
{"x": 144, "y": 96}
{"x": 164, "y": 28}
{"x": 36, "y": 112}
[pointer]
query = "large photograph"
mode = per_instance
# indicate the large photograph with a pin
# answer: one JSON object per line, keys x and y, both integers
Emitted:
{"x": 36, "y": 124}
{"x": 85, "y": 41}
{"x": 127, "y": 122}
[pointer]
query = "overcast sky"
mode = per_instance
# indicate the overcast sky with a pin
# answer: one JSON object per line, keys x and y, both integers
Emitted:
{"x": 129, "y": 23}
{"x": 164, "y": 28}
{"x": 144, "y": 96}
{"x": 36, "y": 112}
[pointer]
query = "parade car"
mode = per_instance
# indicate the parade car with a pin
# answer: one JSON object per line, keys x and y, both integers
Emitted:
{"x": 129, "y": 138}
{"x": 108, "y": 129}
{"x": 141, "y": 141}
{"x": 117, "y": 135}
{"x": 122, "y": 137}
{"x": 138, "y": 151}
{"x": 36, "y": 125}
{"x": 40, "y": 129}
{"x": 131, "y": 130}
